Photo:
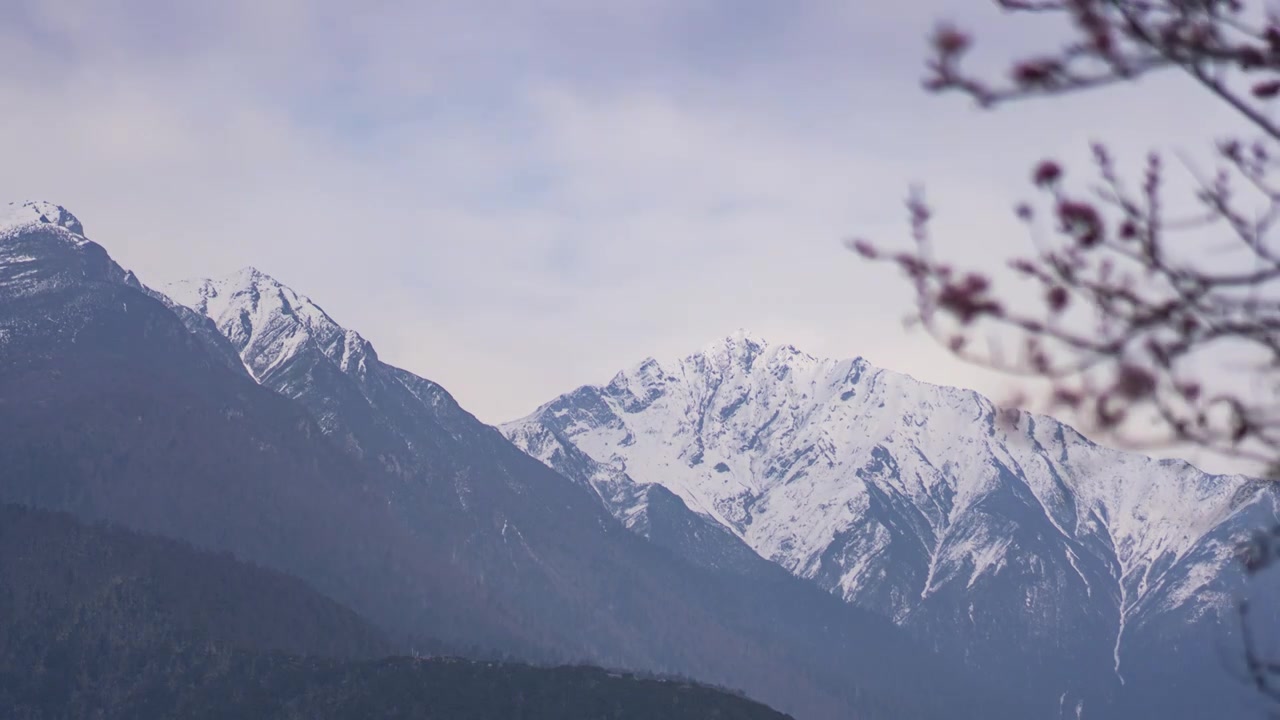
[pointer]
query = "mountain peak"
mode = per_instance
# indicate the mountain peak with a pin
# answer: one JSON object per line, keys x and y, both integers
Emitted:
{"x": 32, "y": 212}
{"x": 908, "y": 499}
{"x": 249, "y": 275}
{"x": 740, "y": 338}
{"x": 42, "y": 247}
{"x": 244, "y": 280}
{"x": 749, "y": 352}
{"x": 738, "y": 347}
{"x": 244, "y": 289}
{"x": 269, "y": 323}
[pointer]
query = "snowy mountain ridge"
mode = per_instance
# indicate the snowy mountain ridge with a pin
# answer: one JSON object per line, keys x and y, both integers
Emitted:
{"x": 18, "y": 216}
{"x": 905, "y": 497}
{"x": 733, "y": 429}
{"x": 42, "y": 246}
{"x": 270, "y": 321}
{"x": 1098, "y": 583}
{"x": 508, "y": 517}
{"x": 269, "y": 326}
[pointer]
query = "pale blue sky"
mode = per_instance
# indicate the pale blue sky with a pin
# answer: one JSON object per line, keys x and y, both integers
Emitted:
{"x": 515, "y": 198}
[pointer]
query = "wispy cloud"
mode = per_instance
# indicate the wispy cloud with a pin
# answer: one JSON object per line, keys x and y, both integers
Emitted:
{"x": 517, "y": 198}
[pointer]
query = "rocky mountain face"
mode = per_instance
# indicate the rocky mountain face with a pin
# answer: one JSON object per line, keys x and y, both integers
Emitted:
{"x": 114, "y": 411}
{"x": 236, "y": 415}
{"x": 1102, "y": 583}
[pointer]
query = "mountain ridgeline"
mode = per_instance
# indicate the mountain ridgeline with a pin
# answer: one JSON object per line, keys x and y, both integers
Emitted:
{"x": 832, "y": 539}
{"x": 238, "y": 417}
{"x": 1100, "y": 583}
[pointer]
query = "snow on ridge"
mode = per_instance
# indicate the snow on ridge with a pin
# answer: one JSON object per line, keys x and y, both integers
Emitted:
{"x": 246, "y": 290}
{"x": 42, "y": 246}
{"x": 269, "y": 323}
{"x": 15, "y": 217}
{"x": 740, "y": 338}
{"x": 799, "y": 456}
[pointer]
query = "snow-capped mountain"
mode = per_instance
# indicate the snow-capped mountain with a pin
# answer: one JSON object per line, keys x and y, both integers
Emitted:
{"x": 789, "y": 502}
{"x": 270, "y": 323}
{"x": 282, "y": 338}
{"x": 537, "y": 540}
{"x": 43, "y": 247}
{"x": 250, "y": 422}
{"x": 1034, "y": 550}
{"x": 18, "y": 216}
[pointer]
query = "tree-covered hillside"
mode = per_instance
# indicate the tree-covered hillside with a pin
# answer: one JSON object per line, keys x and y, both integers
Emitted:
{"x": 108, "y": 623}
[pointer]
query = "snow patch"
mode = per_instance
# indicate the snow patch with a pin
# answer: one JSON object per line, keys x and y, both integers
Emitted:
{"x": 16, "y": 217}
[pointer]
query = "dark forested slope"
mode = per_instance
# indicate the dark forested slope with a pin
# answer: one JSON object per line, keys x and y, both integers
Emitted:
{"x": 104, "y": 622}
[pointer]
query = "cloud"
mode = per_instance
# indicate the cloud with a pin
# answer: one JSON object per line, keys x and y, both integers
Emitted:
{"x": 517, "y": 198}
